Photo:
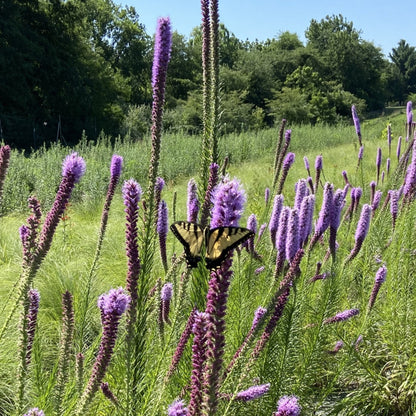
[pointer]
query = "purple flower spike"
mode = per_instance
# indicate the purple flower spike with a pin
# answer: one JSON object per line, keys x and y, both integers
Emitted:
{"x": 361, "y": 231}
{"x": 376, "y": 200}
{"x": 306, "y": 218}
{"x": 307, "y": 166}
{"x": 267, "y": 195}
{"x": 116, "y": 165}
{"x": 162, "y": 229}
{"x": 345, "y": 176}
{"x": 165, "y": 297}
{"x": 342, "y": 316}
{"x": 318, "y": 162}
{"x": 399, "y": 145}
{"x": 356, "y": 121}
{"x": 287, "y": 163}
{"x": 31, "y": 318}
{"x": 292, "y": 239}
{"x": 379, "y": 280}
{"x": 251, "y": 225}
{"x": 163, "y": 43}
{"x": 324, "y": 215}
{"x": 288, "y": 135}
{"x": 288, "y": 406}
{"x": 74, "y": 166}
{"x": 4, "y": 164}
{"x": 378, "y": 163}
{"x": 281, "y": 239}
{"x": 318, "y": 169}
{"x": 192, "y": 203}
{"x": 301, "y": 192}
{"x": 112, "y": 305}
{"x": 253, "y": 392}
{"x": 229, "y": 200}
{"x": 274, "y": 219}
{"x": 394, "y": 205}
{"x": 258, "y": 316}
{"x": 34, "y": 412}
{"x": 177, "y": 408}
{"x": 335, "y": 220}
{"x": 409, "y": 113}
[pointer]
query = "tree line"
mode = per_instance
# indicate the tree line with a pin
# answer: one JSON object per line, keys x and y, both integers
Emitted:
{"x": 73, "y": 66}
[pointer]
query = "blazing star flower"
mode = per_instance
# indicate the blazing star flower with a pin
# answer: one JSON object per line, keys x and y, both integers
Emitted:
{"x": 302, "y": 191}
{"x": 281, "y": 236}
{"x": 105, "y": 388}
{"x": 177, "y": 408}
{"x": 267, "y": 195}
{"x": 162, "y": 229}
{"x": 379, "y": 280}
{"x": 394, "y": 205}
{"x": 398, "y": 150}
{"x": 376, "y": 200}
{"x": 378, "y": 163}
{"x": 192, "y": 203}
{"x": 258, "y": 316}
{"x": 307, "y": 166}
{"x": 409, "y": 113}
{"x": 306, "y": 218}
{"x": 324, "y": 214}
{"x": 31, "y": 318}
{"x": 342, "y": 316}
{"x": 112, "y": 306}
{"x": 288, "y": 406}
{"x": 318, "y": 169}
{"x": 165, "y": 297}
{"x": 292, "y": 239}
{"x": 287, "y": 163}
{"x": 356, "y": 123}
{"x": 274, "y": 218}
{"x": 361, "y": 231}
{"x": 34, "y": 412}
{"x": 4, "y": 164}
{"x": 253, "y": 392}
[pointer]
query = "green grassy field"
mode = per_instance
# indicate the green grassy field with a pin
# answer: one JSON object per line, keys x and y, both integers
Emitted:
{"x": 375, "y": 377}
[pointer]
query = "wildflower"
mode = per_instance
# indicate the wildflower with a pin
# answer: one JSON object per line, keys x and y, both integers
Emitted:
{"x": 73, "y": 168}
{"x": 274, "y": 218}
{"x": 161, "y": 57}
{"x": 165, "y": 297}
{"x": 258, "y": 316}
{"x": 259, "y": 270}
{"x": 253, "y": 392}
{"x": 199, "y": 356}
{"x": 302, "y": 191}
{"x": 361, "y": 231}
{"x": 358, "y": 342}
{"x": 287, "y": 163}
{"x": 192, "y": 203}
{"x": 389, "y": 137}
{"x": 31, "y": 318}
{"x": 34, "y": 412}
{"x": 358, "y": 192}
{"x": 292, "y": 239}
{"x": 281, "y": 236}
{"x": 307, "y": 166}
{"x": 267, "y": 195}
{"x": 409, "y": 123}
{"x": 394, "y": 205}
{"x": 318, "y": 169}
{"x": 177, "y": 408}
{"x": 378, "y": 163}
{"x": 410, "y": 180}
{"x": 342, "y": 316}
{"x": 335, "y": 219}
{"x": 251, "y": 225}
{"x": 112, "y": 306}
{"x": 376, "y": 200}
{"x": 229, "y": 199}
{"x": 379, "y": 280}
{"x": 399, "y": 144}
{"x": 305, "y": 218}
{"x": 132, "y": 193}
{"x": 356, "y": 121}
{"x": 373, "y": 190}
{"x": 324, "y": 214}
{"x": 288, "y": 406}
{"x": 105, "y": 388}
{"x": 162, "y": 231}
{"x": 337, "y": 347}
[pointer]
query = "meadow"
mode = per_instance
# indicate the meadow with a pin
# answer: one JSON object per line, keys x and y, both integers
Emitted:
{"x": 301, "y": 357}
{"x": 305, "y": 304}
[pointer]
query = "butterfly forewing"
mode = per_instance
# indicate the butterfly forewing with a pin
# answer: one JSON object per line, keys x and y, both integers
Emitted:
{"x": 191, "y": 236}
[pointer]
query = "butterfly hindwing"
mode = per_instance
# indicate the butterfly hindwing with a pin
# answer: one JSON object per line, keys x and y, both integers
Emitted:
{"x": 191, "y": 235}
{"x": 220, "y": 241}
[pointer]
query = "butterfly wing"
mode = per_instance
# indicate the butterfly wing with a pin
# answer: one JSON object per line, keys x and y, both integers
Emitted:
{"x": 220, "y": 241}
{"x": 191, "y": 236}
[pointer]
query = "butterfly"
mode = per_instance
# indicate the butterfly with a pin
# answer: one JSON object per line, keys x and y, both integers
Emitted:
{"x": 218, "y": 242}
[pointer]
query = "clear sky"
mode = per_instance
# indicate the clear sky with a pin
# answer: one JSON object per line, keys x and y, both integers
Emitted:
{"x": 383, "y": 22}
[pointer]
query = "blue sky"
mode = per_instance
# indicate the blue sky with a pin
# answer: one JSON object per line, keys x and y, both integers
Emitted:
{"x": 382, "y": 22}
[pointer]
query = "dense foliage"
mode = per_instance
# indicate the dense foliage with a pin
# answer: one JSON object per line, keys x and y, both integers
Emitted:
{"x": 73, "y": 66}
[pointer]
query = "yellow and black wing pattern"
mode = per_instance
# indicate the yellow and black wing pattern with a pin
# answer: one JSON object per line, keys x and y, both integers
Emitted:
{"x": 218, "y": 242}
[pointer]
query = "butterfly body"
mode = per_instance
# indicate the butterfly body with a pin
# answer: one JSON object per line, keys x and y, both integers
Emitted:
{"x": 216, "y": 242}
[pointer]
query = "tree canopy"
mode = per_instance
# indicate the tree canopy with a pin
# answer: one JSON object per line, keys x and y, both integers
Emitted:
{"x": 68, "y": 66}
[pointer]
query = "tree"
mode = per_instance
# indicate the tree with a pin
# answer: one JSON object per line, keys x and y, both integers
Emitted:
{"x": 403, "y": 73}
{"x": 349, "y": 60}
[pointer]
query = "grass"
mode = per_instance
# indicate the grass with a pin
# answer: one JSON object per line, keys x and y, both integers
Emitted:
{"x": 376, "y": 378}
